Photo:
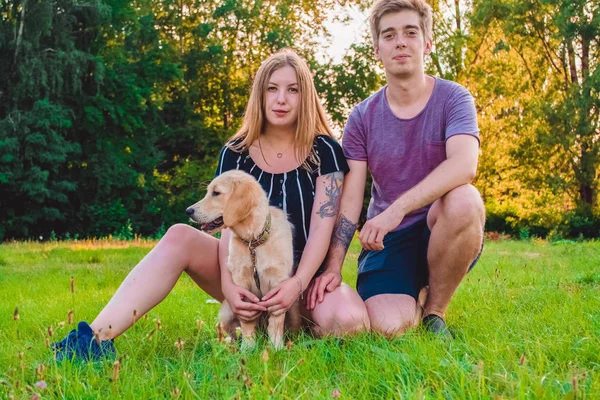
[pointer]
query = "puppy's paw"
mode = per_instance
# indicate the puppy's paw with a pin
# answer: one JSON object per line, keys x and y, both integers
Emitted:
{"x": 277, "y": 342}
{"x": 293, "y": 318}
{"x": 248, "y": 343}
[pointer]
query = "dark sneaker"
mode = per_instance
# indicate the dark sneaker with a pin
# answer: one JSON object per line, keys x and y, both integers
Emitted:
{"x": 436, "y": 325}
{"x": 81, "y": 344}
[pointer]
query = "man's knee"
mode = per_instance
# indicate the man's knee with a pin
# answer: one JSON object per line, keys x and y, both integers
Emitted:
{"x": 463, "y": 206}
{"x": 395, "y": 327}
{"x": 392, "y": 315}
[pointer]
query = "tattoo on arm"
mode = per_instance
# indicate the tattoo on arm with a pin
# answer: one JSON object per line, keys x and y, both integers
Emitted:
{"x": 343, "y": 233}
{"x": 333, "y": 191}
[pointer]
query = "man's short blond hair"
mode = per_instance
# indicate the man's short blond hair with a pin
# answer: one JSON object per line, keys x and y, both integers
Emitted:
{"x": 383, "y": 7}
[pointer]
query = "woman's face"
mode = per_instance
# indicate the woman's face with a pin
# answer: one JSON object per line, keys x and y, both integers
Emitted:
{"x": 282, "y": 98}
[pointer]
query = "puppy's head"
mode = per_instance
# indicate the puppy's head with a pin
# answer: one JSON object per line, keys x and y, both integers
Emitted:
{"x": 230, "y": 198}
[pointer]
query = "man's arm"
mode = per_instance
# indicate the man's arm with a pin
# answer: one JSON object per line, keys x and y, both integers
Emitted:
{"x": 350, "y": 207}
{"x": 459, "y": 168}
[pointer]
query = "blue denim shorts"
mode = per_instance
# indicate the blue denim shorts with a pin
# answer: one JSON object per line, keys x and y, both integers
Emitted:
{"x": 401, "y": 267}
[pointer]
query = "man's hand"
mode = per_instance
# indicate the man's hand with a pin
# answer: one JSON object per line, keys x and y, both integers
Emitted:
{"x": 327, "y": 281}
{"x": 246, "y": 310}
{"x": 372, "y": 234}
{"x": 279, "y": 299}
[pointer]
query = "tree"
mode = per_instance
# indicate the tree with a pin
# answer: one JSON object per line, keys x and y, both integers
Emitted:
{"x": 563, "y": 68}
{"x": 114, "y": 111}
{"x": 531, "y": 166}
{"x": 41, "y": 69}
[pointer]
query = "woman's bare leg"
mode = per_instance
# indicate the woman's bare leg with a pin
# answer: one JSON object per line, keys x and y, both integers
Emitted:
{"x": 342, "y": 312}
{"x": 183, "y": 248}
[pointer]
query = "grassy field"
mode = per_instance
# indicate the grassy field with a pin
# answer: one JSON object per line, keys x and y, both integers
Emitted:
{"x": 527, "y": 325}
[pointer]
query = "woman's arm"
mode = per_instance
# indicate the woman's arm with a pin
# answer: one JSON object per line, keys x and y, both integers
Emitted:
{"x": 349, "y": 211}
{"x": 324, "y": 214}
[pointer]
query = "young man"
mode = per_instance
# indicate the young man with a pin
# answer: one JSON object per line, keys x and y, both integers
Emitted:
{"x": 418, "y": 137}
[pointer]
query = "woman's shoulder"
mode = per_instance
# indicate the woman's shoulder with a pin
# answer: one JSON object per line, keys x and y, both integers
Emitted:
{"x": 232, "y": 149}
{"x": 330, "y": 155}
{"x": 324, "y": 142}
{"x": 231, "y": 157}
{"x": 232, "y": 144}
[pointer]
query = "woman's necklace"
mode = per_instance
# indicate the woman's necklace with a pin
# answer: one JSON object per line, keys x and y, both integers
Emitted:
{"x": 279, "y": 154}
{"x": 263, "y": 154}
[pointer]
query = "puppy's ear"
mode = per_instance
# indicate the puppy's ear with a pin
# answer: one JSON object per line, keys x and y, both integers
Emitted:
{"x": 241, "y": 202}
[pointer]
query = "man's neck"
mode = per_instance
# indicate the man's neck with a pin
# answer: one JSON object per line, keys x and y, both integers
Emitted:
{"x": 406, "y": 92}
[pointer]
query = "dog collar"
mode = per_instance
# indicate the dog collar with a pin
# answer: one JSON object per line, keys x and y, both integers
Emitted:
{"x": 263, "y": 237}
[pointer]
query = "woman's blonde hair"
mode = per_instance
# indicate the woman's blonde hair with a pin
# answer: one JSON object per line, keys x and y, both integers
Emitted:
{"x": 383, "y": 7}
{"x": 312, "y": 120}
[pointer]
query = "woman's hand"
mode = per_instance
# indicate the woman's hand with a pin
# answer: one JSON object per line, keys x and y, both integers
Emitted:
{"x": 279, "y": 299}
{"x": 327, "y": 281}
{"x": 243, "y": 303}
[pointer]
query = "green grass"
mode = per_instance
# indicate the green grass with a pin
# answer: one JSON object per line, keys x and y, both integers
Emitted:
{"x": 527, "y": 321}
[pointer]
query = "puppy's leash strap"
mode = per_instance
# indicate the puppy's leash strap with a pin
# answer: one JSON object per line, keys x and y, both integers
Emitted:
{"x": 253, "y": 244}
{"x": 256, "y": 278}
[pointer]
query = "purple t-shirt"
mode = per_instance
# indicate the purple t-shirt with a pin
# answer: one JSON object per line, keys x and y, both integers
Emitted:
{"x": 401, "y": 152}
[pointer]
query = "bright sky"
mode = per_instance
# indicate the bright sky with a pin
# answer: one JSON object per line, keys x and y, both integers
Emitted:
{"x": 343, "y": 35}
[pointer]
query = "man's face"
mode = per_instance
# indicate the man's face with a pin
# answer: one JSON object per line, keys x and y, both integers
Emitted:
{"x": 401, "y": 46}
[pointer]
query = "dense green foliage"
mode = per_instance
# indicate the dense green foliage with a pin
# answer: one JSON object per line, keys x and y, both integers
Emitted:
{"x": 112, "y": 112}
{"x": 527, "y": 321}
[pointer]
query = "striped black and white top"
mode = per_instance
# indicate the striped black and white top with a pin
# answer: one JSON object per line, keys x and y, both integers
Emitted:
{"x": 292, "y": 191}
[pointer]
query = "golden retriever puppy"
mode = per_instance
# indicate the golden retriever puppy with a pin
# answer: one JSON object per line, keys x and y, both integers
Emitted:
{"x": 260, "y": 250}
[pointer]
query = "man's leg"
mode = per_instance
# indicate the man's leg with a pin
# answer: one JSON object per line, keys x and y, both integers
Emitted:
{"x": 456, "y": 221}
{"x": 392, "y": 314}
{"x": 389, "y": 280}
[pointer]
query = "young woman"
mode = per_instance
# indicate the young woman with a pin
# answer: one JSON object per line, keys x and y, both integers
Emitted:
{"x": 286, "y": 143}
